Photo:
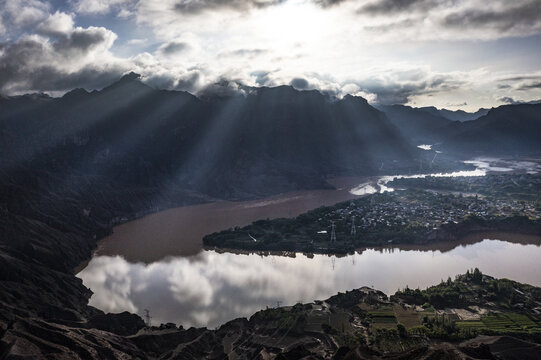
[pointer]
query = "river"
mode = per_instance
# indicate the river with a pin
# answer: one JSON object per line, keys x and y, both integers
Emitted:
{"x": 157, "y": 262}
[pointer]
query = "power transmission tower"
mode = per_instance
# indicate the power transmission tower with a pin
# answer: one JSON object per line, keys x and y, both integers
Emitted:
{"x": 278, "y": 303}
{"x": 434, "y": 158}
{"x": 353, "y": 230}
{"x": 147, "y": 317}
{"x": 333, "y": 232}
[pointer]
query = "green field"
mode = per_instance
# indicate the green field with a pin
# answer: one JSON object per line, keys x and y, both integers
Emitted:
{"x": 407, "y": 317}
{"x": 383, "y": 317}
{"x": 506, "y": 322}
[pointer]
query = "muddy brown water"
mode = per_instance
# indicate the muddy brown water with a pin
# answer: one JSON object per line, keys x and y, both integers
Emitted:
{"x": 179, "y": 231}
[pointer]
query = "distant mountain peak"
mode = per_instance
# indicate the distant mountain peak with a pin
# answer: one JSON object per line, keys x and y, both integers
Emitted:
{"x": 349, "y": 97}
{"x": 129, "y": 81}
{"x": 78, "y": 92}
{"x": 131, "y": 76}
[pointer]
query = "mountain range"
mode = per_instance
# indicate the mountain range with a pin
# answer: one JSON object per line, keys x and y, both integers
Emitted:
{"x": 271, "y": 140}
{"x": 71, "y": 167}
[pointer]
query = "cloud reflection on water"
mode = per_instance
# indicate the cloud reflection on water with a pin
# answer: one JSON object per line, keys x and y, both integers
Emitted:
{"x": 211, "y": 288}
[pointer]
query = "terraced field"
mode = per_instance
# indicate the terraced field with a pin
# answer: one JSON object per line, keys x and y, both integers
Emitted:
{"x": 383, "y": 317}
{"x": 389, "y": 316}
{"x": 407, "y": 317}
{"x": 506, "y": 322}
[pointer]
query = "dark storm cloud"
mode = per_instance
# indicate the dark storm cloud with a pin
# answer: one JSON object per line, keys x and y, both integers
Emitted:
{"x": 509, "y": 100}
{"x": 530, "y": 86}
{"x": 521, "y": 82}
{"x": 522, "y": 78}
{"x": 262, "y": 77}
{"x": 328, "y": 3}
{"x": 523, "y": 14}
{"x": 189, "y": 81}
{"x": 250, "y": 53}
{"x": 398, "y": 91}
{"x": 50, "y": 78}
{"x": 222, "y": 88}
{"x": 174, "y": 48}
{"x": 385, "y": 7}
{"x": 82, "y": 40}
{"x": 299, "y": 83}
{"x": 406, "y": 23}
{"x": 37, "y": 63}
{"x": 195, "y": 7}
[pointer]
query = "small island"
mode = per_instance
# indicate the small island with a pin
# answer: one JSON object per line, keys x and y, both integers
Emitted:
{"x": 427, "y": 210}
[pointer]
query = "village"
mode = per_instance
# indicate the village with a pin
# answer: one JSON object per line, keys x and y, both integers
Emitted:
{"x": 423, "y": 210}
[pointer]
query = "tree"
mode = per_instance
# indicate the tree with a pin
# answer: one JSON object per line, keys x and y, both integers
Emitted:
{"x": 402, "y": 331}
{"x": 477, "y": 276}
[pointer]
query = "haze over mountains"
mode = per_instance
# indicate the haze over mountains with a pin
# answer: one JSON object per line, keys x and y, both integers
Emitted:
{"x": 73, "y": 167}
{"x": 267, "y": 141}
{"x": 272, "y": 138}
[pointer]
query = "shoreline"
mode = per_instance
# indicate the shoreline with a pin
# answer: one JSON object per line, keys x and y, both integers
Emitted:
{"x": 442, "y": 245}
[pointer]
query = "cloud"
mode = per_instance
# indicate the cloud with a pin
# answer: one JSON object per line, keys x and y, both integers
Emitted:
{"x": 188, "y": 7}
{"x": 299, "y": 83}
{"x": 530, "y": 86}
{"x": 137, "y": 41}
{"x": 399, "y": 87}
{"x": 102, "y": 6}
{"x": 328, "y": 3}
{"x": 245, "y": 53}
{"x": 521, "y": 16}
{"x": 389, "y": 7}
{"x": 521, "y": 82}
{"x": 174, "y": 48}
{"x": 21, "y": 15}
{"x": 56, "y": 24}
{"x": 508, "y": 100}
{"x": 451, "y": 19}
{"x": 67, "y": 58}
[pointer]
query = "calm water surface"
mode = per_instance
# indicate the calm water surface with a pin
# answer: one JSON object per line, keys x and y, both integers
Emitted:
{"x": 157, "y": 262}
{"x": 212, "y": 288}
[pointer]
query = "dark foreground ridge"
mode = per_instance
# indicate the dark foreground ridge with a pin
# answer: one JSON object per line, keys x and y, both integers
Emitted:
{"x": 474, "y": 316}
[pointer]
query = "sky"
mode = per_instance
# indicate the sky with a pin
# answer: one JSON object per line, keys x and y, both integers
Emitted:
{"x": 455, "y": 54}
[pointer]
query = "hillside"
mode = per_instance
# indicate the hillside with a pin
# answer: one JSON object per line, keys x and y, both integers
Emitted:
{"x": 267, "y": 141}
{"x": 418, "y": 125}
{"x": 506, "y": 130}
{"x": 456, "y": 115}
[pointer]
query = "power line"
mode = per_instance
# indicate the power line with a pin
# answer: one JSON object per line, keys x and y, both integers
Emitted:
{"x": 147, "y": 317}
{"x": 333, "y": 232}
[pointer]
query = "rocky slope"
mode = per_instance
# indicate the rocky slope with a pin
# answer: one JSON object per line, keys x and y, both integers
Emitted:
{"x": 345, "y": 326}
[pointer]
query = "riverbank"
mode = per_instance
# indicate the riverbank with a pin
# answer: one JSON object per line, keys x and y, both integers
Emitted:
{"x": 179, "y": 231}
{"x": 405, "y": 217}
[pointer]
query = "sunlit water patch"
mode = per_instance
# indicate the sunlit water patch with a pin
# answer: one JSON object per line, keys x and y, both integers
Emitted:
{"x": 482, "y": 167}
{"x": 212, "y": 288}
